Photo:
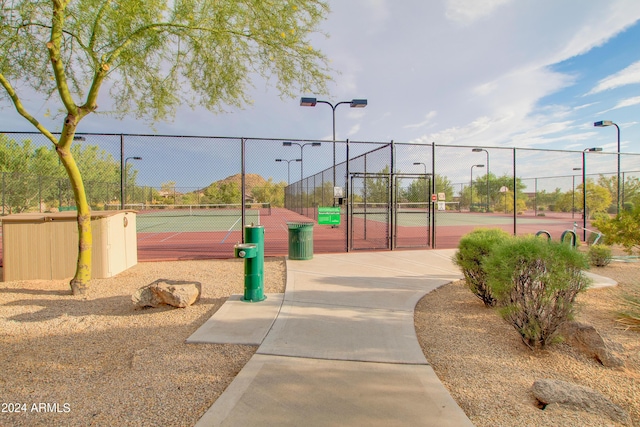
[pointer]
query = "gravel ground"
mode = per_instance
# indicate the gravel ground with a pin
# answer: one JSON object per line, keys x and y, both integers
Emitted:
{"x": 489, "y": 371}
{"x": 97, "y": 361}
{"x": 100, "y": 362}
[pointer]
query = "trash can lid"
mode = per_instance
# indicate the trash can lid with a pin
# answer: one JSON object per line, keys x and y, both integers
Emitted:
{"x": 293, "y": 225}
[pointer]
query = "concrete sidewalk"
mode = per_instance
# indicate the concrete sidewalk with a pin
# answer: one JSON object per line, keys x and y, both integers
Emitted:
{"x": 338, "y": 347}
{"x": 342, "y": 350}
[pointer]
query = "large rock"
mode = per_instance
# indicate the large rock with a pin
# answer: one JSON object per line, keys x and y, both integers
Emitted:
{"x": 172, "y": 292}
{"x": 587, "y": 339}
{"x": 577, "y": 397}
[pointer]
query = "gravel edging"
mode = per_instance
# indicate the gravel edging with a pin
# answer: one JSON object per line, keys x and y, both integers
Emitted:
{"x": 99, "y": 361}
{"x": 488, "y": 370}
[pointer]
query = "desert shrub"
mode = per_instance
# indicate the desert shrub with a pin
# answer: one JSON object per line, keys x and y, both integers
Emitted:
{"x": 599, "y": 255}
{"x": 624, "y": 229}
{"x": 600, "y": 216}
{"x": 473, "y": 249}
{"x": 536, "y": 283}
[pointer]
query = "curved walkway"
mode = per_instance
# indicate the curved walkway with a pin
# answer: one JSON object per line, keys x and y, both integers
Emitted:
{"x": 342, "y": 349}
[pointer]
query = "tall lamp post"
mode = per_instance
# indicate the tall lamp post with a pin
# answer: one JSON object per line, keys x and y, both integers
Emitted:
{"x": 288, "y": 167}
{"x": 584, "y": 190}
{"x": 289, "y": 144}
{"x": 573, "y": 193}
{"x": 480, "y": 150}
{"x": 604, "y": 123}
{"x": 471, "y": 203}
{"x": 354, "y": 103}
{"x": 124, "y": 191}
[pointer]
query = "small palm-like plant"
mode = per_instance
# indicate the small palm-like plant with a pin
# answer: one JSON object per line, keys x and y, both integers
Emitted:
{"x": 630, "y": 317}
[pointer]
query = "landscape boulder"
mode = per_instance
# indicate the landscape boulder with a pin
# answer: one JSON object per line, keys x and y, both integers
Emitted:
{"x": 587, "y": 339}
{"x": 171, "y": 292}
{"x": 577, "y": 397}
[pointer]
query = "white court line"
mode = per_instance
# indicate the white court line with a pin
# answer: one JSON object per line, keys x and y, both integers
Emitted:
{"x": 230, "y": 230}
{"x": 170, "y": 237}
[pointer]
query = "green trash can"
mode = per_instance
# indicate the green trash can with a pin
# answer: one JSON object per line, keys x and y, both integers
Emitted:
{"x": 300, "y": 240}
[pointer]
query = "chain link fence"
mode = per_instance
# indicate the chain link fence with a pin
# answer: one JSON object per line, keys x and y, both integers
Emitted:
{"x": 388, "y": 194}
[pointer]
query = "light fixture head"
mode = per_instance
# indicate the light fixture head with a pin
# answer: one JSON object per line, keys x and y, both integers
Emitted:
{"x": 308, "y": 102}
{"x": 577, "y": 169}
{"x": 603, "y": 123}
{"x": 479, "y": 166}
{"x": 298, "y": 160}
{"x": 278, "y": 160}
{"x": 316, "y": 144}
{"x": 417, "y": 163}
{"x": 137, "y": 158}
{"x": 358, "y": 103}
{"x": 593, "y": 149}
{"x": 477, "y": 150}
{"x": 286, "y": 144}
{"x": 79, "y": 138}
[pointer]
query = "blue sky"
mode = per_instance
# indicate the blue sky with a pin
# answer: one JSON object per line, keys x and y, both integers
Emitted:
{"x": 507, "y": 73}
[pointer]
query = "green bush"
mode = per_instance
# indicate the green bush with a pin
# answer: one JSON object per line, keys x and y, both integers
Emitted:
{"x": 536, "y": 283}
{"x": 473, "y": 249}
{"x": 599, "y": 255}
{"x": 624, "y": 229}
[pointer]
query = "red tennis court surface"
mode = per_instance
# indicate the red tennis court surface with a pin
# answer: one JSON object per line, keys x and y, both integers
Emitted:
{"x": 219, "y": 244}
{"x": 206, "y": 245}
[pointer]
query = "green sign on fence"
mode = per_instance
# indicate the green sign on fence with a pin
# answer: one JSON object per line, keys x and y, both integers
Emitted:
{"x": 329, "y": 215}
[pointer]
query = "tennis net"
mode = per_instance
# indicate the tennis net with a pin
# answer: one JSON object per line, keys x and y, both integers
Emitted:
{"x": 231, "y": 209}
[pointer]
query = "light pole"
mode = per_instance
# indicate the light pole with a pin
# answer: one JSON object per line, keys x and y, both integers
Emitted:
{"x": 604, "y": 123}
{"x": 124, "y": 199}
{"x": 471, "y": 203}
{"x": 584, "y": 190}
{"x": 573, "y": 193}
{"x": 354, "y": 103}
{"x": 289, "y": 144}
{"x": 480, "y": 150}
{"x": 288, "y": 167}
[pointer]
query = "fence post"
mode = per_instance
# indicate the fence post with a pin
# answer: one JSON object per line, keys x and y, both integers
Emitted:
{"x": 242, "y": 187}
{"x": 122, "y": 171}
{"x": 346, "y": 194}
{"x": 391, "y": 209}
{"x": 3, "y": 192}
{"x": 433, "y": 191}
{"x": 515, "y": 193}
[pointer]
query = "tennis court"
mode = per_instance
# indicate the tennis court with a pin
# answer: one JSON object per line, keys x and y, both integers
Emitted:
{"x": 204, "y": 232}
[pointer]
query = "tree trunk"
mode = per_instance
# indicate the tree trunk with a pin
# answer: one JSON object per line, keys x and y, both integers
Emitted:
{"x": 80, "y": 282}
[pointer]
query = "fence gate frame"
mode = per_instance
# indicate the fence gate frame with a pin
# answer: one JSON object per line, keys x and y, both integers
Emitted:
{"x": 396, "y": 210}
{"x": 387, "y": 209}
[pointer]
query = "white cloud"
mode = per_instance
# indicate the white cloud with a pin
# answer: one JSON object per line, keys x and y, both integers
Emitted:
{"x": 627, "y": 76}
{"x": 427, "y": 119}
{"x": 466, "y": 12}
{"x": 627, "y": 102}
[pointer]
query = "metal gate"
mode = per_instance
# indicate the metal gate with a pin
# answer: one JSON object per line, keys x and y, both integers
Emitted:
{"x": 412, "y": 211}
{"x": 370, "y": 211}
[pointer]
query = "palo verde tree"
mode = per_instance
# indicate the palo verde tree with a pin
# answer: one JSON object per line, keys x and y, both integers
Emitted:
{"x": 153, "y": 56}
